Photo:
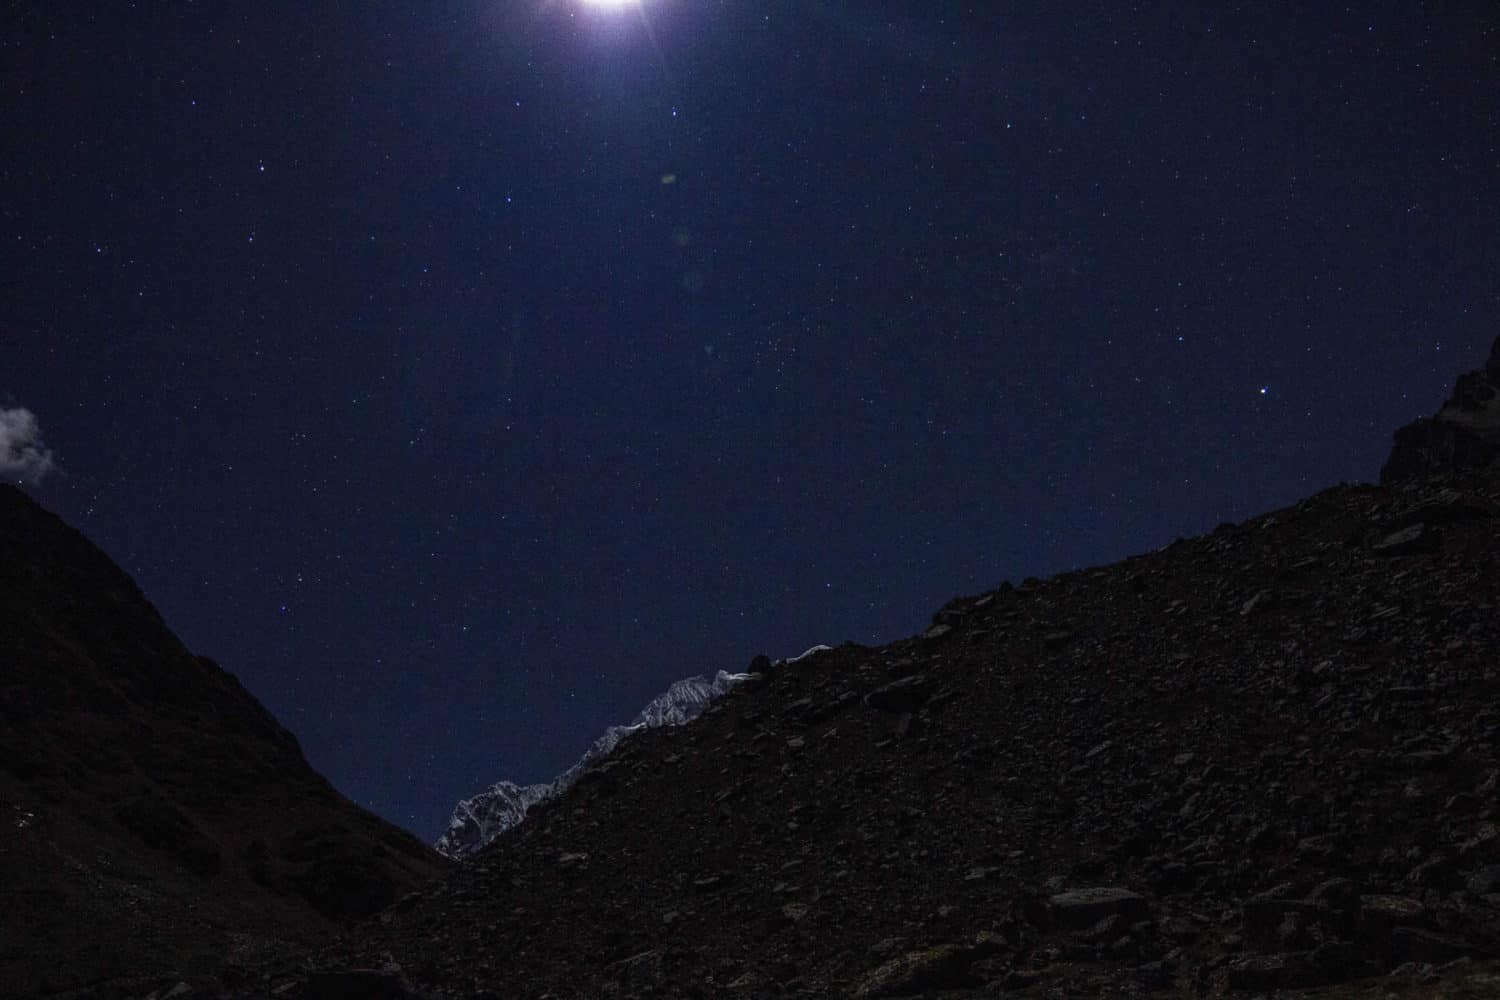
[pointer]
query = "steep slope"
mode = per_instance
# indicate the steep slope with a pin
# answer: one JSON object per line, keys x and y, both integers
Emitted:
{"x": 1266, "y": 757}
{"x": 1464, "y": 434}
{"x": 479, "y": 820}
{"x": 154, "y": 818}
{"x": 1262, "y": 760}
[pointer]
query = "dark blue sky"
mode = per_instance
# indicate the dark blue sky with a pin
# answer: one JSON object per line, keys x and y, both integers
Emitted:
{"x": 459, "y": 374}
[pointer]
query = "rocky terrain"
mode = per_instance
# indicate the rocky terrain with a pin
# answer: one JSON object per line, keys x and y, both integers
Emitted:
{"x": 1263, "y": 759}
{"x": 1262, "y": 762}
{"x": 155, "y": 820}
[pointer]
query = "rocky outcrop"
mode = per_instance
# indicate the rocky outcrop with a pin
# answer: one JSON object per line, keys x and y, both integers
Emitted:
{"x": 1265, "y": 761}
{"x": 1464, "y": 435}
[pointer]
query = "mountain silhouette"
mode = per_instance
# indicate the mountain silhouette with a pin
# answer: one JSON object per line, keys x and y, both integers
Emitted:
{"x": 154, "y": 818}
{"x": 1264, "y": 761}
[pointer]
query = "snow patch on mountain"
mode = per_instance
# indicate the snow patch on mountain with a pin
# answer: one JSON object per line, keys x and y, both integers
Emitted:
{"x": 481, "y": 819}
{"x": 804, "y": 655}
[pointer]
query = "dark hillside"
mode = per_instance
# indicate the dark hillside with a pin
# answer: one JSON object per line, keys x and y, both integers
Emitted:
{"x": 153, "y": 815}
{"x": 1265, "y": 758}
{"x": 1261, "y": 761}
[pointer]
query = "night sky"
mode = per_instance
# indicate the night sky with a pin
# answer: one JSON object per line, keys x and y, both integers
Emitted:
{"x": 459, "y": 374}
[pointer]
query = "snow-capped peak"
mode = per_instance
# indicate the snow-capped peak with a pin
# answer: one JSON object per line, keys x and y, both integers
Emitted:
{"x": 479, "y": 820}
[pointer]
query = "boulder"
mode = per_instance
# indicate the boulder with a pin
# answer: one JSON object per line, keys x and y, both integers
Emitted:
{"x": 905, "y": 695}
{"x": 1080, "y": 909}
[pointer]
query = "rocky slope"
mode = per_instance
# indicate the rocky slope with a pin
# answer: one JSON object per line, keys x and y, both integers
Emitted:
{"x": 1261, "y": 761}
{"x": 479, "y": 820}
{"x": 155, "y": 820}
{"x": 1464, "y": 434}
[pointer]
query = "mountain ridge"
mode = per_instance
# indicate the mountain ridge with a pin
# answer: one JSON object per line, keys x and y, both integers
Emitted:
{"x": 1259, "y": 761}
{"x": 477, "y": 821}
{"x": 1262, "y": 761}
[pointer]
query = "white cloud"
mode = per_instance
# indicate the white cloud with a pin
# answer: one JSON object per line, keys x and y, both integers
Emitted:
{"x": 23, "y": 453}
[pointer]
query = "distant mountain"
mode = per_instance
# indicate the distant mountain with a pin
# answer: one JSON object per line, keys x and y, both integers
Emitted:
{"x": 153, "y": 815}
{"x": 1463, "y": 435}
{"x": 479, "y": 820}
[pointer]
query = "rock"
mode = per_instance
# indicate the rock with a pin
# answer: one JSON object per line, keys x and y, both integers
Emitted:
{"x": 355, "y": 984}
{"x": 1484, "y": 844}
{"x": 1108, "y": 929}
{"x": 1409, "y": 541}
{"x": 1484, "y": 881}
{"x": 1262, "y": 973}
{"x": 1381, "y": 914}
{"x": 1079, "y": 909}
{"x": 1463, "y": 435}
{"x": 794, "y": 912}
{"x": 1337, "y": 905}
{"x": 1437, "y": 872}
{"x": 1413, "y": 944}
{"x": 1395, "y": 928}
{"x": 945, "y": 967}
{"x": 903, "y": 666}
{"x": 1340, "y": 895}
{"x": 1337, "y": 962}
{"x": 1448, "y": 507}
{"x": 643, "y": 970}
{"x": 1272, "y": 923}
{"x": 905, "y": 695}
{"x": 1157, "y": 975}
{"x": 1095, "y": 751}
{"x": 1020, "y": 979}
